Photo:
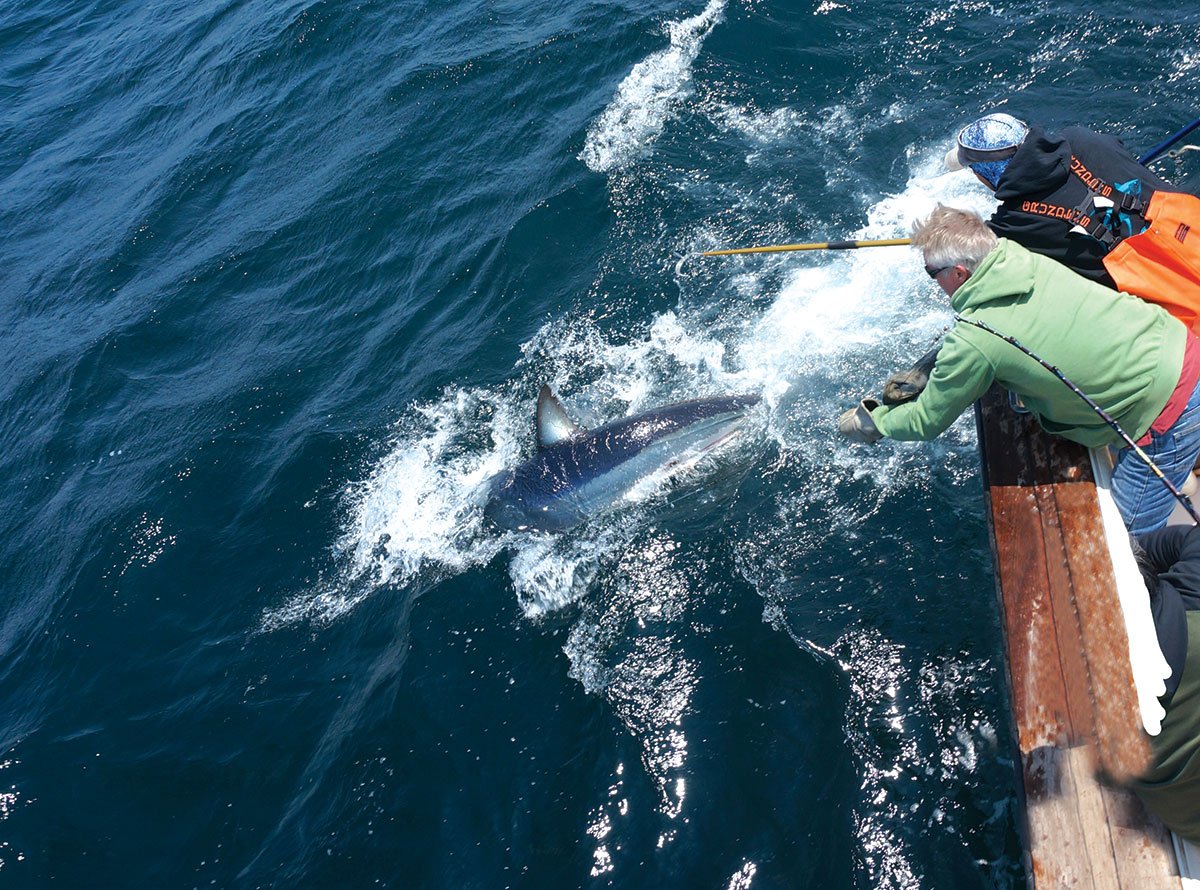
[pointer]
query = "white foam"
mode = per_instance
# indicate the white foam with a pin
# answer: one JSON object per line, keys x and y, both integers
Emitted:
{"x": 418, "y": 513}
{"x": 764, "y": 127}
{"x": 743, "y": 878}
{"x": 1188, "y": 61}
{"x": 649, "y": 95}
{"x": 421, "y": 504}
{"x": 552, "y": 571}
{"x": 842, "y": 321}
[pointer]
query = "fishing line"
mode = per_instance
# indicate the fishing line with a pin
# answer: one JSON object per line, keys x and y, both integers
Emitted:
{"x": 1104, "y": 415}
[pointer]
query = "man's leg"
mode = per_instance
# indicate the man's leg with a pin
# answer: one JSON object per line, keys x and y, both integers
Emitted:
{"x": 1145, "y": 503}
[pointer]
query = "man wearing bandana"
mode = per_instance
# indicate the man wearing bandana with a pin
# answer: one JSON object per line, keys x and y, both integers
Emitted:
{"x": 1039, "y": 179}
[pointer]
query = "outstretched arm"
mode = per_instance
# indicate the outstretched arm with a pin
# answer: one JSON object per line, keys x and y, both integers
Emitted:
{"x": 961, "y": 374}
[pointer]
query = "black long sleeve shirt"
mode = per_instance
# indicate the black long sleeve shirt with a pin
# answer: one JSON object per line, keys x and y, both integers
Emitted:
{"x": 1174, "y": 554}
{"x": 1040, "y": 172}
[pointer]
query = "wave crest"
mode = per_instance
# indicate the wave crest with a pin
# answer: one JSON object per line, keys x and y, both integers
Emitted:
{"x": 649, "y": 95}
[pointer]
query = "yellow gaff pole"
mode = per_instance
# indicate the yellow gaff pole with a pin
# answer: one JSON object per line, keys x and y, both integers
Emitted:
{"x": 819, "y": 245}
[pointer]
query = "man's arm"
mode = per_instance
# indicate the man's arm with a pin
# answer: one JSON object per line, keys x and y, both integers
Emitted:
{"x": 1164, "y": 547}
{"x": 960, "y": 375}
{"x": 1175, "y": 554}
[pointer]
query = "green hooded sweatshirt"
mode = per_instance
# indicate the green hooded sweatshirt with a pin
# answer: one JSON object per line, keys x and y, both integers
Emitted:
{"x": 1124, "y": 353}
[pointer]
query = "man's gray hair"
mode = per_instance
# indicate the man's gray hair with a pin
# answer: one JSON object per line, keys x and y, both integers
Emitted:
{"x": 952, "y": 237}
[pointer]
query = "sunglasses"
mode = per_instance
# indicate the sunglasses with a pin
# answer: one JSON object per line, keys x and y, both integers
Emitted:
{"x": 934, "y": 273}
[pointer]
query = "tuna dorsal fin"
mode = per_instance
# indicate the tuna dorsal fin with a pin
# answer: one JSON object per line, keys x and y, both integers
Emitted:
{"x": 553, "y": 422}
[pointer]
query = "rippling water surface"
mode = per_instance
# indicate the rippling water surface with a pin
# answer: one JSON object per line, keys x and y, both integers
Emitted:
{"x": 280, "y": 283}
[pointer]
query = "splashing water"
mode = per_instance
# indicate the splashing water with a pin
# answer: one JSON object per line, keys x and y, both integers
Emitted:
{"x": 419, "y": 511}
{"x": 649, "y": 95}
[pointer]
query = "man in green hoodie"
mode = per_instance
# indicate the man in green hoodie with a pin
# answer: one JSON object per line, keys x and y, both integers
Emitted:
{"x": 1132, "y": 358}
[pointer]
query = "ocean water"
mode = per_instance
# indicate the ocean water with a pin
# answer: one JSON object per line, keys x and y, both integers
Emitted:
{"x": 279, "y": 282}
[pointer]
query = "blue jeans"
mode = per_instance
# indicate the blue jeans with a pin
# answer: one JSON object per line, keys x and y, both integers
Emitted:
{"x": 1144, "y": 502}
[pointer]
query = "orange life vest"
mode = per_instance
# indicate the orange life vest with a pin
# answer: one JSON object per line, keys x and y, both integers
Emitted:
{"x": 1162, "y": 264}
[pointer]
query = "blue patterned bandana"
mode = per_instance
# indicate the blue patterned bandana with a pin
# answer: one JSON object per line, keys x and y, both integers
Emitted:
{"x": 988, "y": 144}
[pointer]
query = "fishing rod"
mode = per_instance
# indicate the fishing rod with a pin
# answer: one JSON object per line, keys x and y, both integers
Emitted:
{"x": 816, "y": 245}
{"x": 1167, "y": 143}
{"x": 1104, "y": 415}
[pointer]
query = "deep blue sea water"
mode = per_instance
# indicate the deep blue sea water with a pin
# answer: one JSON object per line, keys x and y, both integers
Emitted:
{"x": 279, "y": 282}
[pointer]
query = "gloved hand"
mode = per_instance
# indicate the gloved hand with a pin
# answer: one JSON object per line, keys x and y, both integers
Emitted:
{"x": 857, "y": 425}
{"x": 904, "y": 386}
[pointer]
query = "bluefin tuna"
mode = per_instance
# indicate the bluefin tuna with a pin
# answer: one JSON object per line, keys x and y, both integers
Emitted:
{"x": 577, "y": 473}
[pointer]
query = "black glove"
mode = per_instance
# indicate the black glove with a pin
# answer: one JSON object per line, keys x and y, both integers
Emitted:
{"x": 857, "y": 425}
{"x": 904, "y": 386}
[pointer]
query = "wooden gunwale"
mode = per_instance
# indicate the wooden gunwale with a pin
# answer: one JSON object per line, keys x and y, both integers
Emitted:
{"x": 1073, "y": 696}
